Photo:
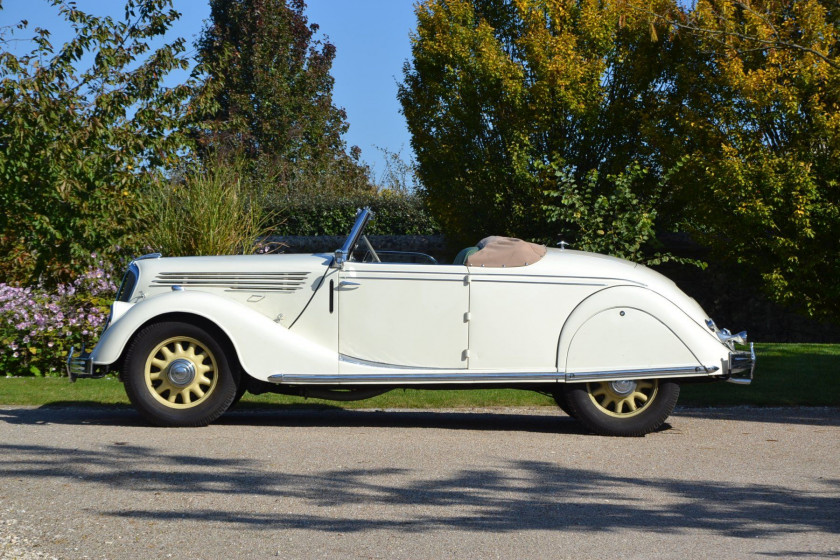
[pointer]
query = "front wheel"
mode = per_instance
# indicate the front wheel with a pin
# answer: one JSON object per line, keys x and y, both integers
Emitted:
{"x": 177, "y": 374}
{"x": 622, "y": 408}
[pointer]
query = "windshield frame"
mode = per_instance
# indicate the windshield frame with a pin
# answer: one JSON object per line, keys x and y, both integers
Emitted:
{"x": 342, "y": 255}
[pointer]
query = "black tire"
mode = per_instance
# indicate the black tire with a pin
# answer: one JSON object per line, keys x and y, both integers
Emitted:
{"x": 562, "y": 400}
{"x": 176, "y": 374}
{"x": 622, "y": 408}
{"x": 241, "y": 389}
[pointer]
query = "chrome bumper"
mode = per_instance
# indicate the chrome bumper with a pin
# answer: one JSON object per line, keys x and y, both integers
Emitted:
{"x": 81, "y": 366}
{"x": 742, "y": 366}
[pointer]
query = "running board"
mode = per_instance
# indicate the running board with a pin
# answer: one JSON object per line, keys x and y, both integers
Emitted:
{"x": 483, "y": 377}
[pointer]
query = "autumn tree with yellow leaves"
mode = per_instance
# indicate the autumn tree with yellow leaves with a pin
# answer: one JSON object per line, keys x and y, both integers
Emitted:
{"x": 755, "y": 132}
{"x": 607, "y": 122}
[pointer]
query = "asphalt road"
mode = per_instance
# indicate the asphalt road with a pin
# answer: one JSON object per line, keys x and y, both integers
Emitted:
{"x": 508, "y": 483}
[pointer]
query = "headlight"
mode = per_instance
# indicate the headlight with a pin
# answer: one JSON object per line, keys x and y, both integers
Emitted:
{"x": 129, "y": 282}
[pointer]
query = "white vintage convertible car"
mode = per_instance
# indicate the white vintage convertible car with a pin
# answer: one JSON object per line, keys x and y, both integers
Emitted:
{"x": 609, "y": 339}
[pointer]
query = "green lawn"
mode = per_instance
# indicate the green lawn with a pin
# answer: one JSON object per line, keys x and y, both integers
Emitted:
{"x": 786, "y": 375}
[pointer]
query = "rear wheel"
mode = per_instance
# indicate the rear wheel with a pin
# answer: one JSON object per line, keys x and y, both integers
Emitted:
{"x": 562, "y": 400}
{"x": 624, "y": 407}
{"x": 177, "y": 374}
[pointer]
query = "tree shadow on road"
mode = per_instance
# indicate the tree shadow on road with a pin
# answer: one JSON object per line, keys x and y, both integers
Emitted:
{"x": 508, "y": 496}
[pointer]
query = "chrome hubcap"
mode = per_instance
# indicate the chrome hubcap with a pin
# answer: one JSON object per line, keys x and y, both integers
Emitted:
{"x": 181, "y": 372}
{"x": 623, "y": 387}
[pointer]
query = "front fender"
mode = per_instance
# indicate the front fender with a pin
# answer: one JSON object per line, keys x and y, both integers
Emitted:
{"x": 633, "y": 328}
{"x": 263, "y": 347}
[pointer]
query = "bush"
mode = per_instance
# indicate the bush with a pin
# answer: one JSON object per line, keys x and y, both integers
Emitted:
{"x": 612, "y": 220}
{"x": 396, "y": 214}
{"x": 38, "y": 326}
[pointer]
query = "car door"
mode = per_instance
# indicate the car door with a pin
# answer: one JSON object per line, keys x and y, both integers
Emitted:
{"x": 407, "y": 315}
{"x": 516, "y": 315}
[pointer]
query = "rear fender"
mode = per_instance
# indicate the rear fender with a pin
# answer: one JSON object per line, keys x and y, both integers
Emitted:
{"x": 632, "y": 328}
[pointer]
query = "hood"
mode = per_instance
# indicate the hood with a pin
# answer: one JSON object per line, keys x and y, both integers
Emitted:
{"x": 277, "y": 286}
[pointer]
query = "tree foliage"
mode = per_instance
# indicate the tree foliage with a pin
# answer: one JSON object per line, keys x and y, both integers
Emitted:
{"x": 602, "y": 220}
{"x": 756, "y": 129}
{"x": 502, "y": 93}
{"x": 267, "y": 96}
{"x": 397, "y": 213}
{"x": 78, "y": 144}
{"x": 555, "y": 118}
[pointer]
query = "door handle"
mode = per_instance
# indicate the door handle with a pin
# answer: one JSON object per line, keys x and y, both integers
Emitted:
{"x": 348, "y": 285}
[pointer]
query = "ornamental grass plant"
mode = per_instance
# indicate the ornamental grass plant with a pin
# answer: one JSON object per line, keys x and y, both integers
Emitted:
{"x": 214, "y": 210}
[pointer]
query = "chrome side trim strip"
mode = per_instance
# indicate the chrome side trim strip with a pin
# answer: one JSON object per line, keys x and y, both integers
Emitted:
{"x": 394, "y": 378}
{"x": 547, "y": 282}
{"x": 640, "y": 373}
{"x": 397, "y": 378}
{"x": 344, "y": 358}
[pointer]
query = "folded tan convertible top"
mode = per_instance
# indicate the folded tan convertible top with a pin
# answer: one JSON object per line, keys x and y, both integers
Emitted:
{"x": 496, "y": 251}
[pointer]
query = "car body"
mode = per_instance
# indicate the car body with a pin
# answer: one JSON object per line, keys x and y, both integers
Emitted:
{"x": 608, "y": 338}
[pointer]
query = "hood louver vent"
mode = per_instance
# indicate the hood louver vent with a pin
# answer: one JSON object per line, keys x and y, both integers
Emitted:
{"x": 240, "y": 281}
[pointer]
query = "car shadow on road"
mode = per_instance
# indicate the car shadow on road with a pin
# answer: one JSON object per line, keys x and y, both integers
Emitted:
{"x": 550, "y": 421}
{"x": 507, "y": 496}
{"x": 72, "y": 413}
{"x": 809, "y": 416}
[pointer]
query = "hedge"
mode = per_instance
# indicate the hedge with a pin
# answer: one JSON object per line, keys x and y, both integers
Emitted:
{"x": 395, "y": 214}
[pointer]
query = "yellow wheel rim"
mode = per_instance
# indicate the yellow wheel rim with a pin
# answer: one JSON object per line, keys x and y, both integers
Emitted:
{"x": 181, "y": 372}
{"x": 623, "y": 398}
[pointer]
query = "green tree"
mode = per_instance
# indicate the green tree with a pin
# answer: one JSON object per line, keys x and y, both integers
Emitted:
{"x": 612, "y": 221}
{"x": 266, "y": 95}
{"x": 502, "y": 94}
{"x": 77, "y": 145}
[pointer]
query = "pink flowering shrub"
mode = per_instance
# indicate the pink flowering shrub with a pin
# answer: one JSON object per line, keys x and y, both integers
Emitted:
{"x": 38, "y": 326}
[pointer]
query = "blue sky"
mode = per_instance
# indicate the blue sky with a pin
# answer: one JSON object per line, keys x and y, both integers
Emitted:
{"x": 371, "y": 39}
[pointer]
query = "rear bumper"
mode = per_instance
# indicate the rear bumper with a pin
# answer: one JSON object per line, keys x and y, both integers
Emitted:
{"x": 742, "y": 366}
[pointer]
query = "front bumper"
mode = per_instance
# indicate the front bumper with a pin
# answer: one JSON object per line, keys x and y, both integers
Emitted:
{"x": 81, "y": 366}
{"x": 742, "y": 366}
